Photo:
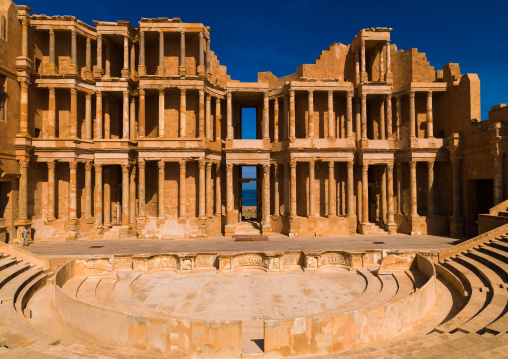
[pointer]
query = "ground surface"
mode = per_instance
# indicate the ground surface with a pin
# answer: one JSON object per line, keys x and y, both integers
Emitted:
{"x": 221, "y": 244}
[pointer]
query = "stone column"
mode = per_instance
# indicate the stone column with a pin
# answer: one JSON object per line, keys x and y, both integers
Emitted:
{"x": 276, "y": 204}
{"x": 125, "y": 69}
{"x": 292, "y": 212}
{"x": 74, "y": 113}
{"x": 391, "y": 215}
{"x": 73, "y": 165}
{"x": 365, "y": 194}
{"x": 229, "y": 195}
{"x": 141, "y": 187}
{"x": 412, "y": 180}
{"x": 132, "y": 119}
{"x": 51, "y": 190}
{"x": 364, "y": 76}
{"x": 292, "y": 123}
{"x": 359, "y": 196}
{"x": 107, "y": 196}
{"x": 23, "y": 189}
{"x": 201, "y": 119}
{"x": 141, "y": 65}
{"x": 266, "y": 195}
{"x": 162, "y": 177}
{"x": 141, "y": 115}
{"x": 207, "y": 62}
{"x": 357, "y": 66}
{"x": 285, "y": 118}
{"x": 132, "y": 195}
{"x": 99, "y": 53}
{"x": 182, "y": 68}
{"x": 430, "y": 189}
{"x": 126, "y": 122}
{"x": 107, "y": 72}
{"x": 388, "y": 63}
{"x": 398, "y": 114}
{"x": 209, "y": 192}
{"x": 201, "y": 65}
{"x": 24, "y": 37}
{"x": 88, "y": 116}
{"x": 383, "y": 211}
{"x": 364, "y": 116}
{"x": 381, "y": 65}
{"x": 331, "y": 117}
{"x": 125, "y": 195}
{"x": 218, "y": 119}
{"x": 88, "y": 54}
{"x": 218, "y": 199}
{"x": 276, "y": 120}
{"x": 399, "y": 188}
{"x": 160, "y": 68}
{"x": 331, "y": 190}
{"x": 107, "y": 118}
{"x": 382, "y": 123}
{"x": 98, "y": 115}
{"x": 430, "y": 124}
{"x": 73, "y": 48}
{"x": 209, "y": 132}
{"x": 23, "y": 108}
{"x": 349, "y": 118}
{"x": 51, "y": 114}
{"x": 162, "y": 105}
{"x": 287, "y": 180}
{"x": 52, "y": 47}
{"x": 202, "y": 189}
{"x": 230, "y": 116}
{"x": 182, "y": 194}
{"x": 389, "y": 117}
{"x": 350, "y": 189}
{"x": 311, "y": 114}
{"x": 412, "y": 115}
{"x": 358, "y": 120}
{"x": 498, "y": 178}
{"x": 312, "y": 189}
{"x": 88, "y": 189}
{"x": 133, "y": 59}
{"x": 98, "y": 196}
{"x": 183, "y": 114}
{"x": 457, "y": 213}
{"x": 266, "y": 125}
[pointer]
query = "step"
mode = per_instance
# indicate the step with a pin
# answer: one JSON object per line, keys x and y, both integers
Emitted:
{"x": 503, "y": 246}
{"x": 13, "y": 339}
{"x": 405, "y": 285}
{"x": 500, "y": 325}
{"x": 466, "y": 275}
{"x": 500, "y": 267}
{"x": 14, "y": 270}
{"x": 494, "y": 252}
{"x": 28, "y": 290}
{"x": 491, "y": 277}
{"x": 7, "y": 262}
{"x": 488, "y": 315}
{"x": 9, "y": 291}
{"x": 388, "y": 290}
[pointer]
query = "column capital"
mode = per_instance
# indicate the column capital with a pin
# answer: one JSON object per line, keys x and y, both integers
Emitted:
{"x": 412, "y": 94}
{"x": 51, "y": 31}
{"x": 141, "y": 163}
{"x": 389, "y": 169}
{"x": 266, "y": 168}
{"x": 73, "y": 90}
{"x": 182, "y": 163}
{"x": 229, "y": 167}
{"x": 73, "y": 164}
{"x": 201, "y": 163}
{"x": 350, "y": 93}
{"x": 388, "y": 97}
{"x": 162, "y": 90}
{"x": 51, "y": 90}
{"x": 350, "y": 164}
{"x": 161, "y": 163}
{"x": 24, "y": 163}
{"x": 182, "y": 31}
{"x": 51, "y": 165}
{"x": 98, "y": 167}
{"x": 292, "y": 163}
{"x": 24, "y": 84}
{"x": 88, "y": 165}
{"x": 73, "y": 31}
{"x": 429, "y": 93}
{"x": 364, "y": 96}
{"x": 98, "y": 93}
{"x": 430, "y": 165}
{"x": 412, "y": 164}
{"x": 125, "y": 168}
{"x": 201, "y": 34}
{"x": 209, "y": 165}
{"x": 88, "y": 40}
{"x": 365, "y": 168}
{"x": 291, "y": 92}
{"x": 24, "y": 21}
{"x": 182, "y": 92}
{"x": 201, "y": 92}
{"x": 208, "y": 98}
{"x": 141, "y": 92}
{"x": 88, "y": 95}
{"x": 331, "y": 164}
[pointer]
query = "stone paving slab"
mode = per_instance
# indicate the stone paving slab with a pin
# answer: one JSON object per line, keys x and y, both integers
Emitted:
{"x": 219, "y": 244}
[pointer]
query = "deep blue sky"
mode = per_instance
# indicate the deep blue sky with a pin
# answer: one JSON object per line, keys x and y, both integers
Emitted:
{"x": 278, "y": 36}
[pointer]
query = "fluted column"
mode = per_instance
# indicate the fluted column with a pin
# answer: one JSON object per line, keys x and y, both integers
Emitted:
{"x": 293, "y": 189}
{"x": 357, "y": 66}
{"x": 331, "y": 117}
{"x": 382, "y": 123}
{"x": 162, "y": 105}
{"x": 412, "y": 181}
{"x": 276, "y": 204}
{"x": 24, "y": 37}
{"x": 412, "y": 115}
{"x": 74, "y": 113}
{"x": 383, "y": 210}
{"x": 388, "y": 62}
{"x": 88, "y": 189}
{"x": 266, "y": 125}
{"x": 202, "y": 189}
{"x": 399, "y": 188}
{"x": 125, "y": 69}
{"x": 160, "y": 68}
{"x": 292, "y": 123}
{"x": 132, "y": 119}
{"x": 365, "y": 194}
{"x": 88, "y": 54}
{"x": 88, "y": 116}
{"x": 98, "y": 115}
{"x": 349, "y": 118}
{"x": 266, "y": 195}
{"x": 141, "y": 115}
{"x": 389, "y": 117}
{"x": 141, "y": 187}
{"x": 218, "y": 199}
{"x": 183, "y": 113}
{"x": 364, "y": 71}
{"x": 209, "y": 192}
{"x": 99, "y": 53}
{"x": 391, "y": 214}
{"x": 132, "y": 195}
{"x": 311, "y": 114}
{"x": 430, "y": 121}
{"x": 126, "y": 122}
{"x": 207, "y": 62}
{"x": 73, "y": 47}
{"x": 398, "y": 114}
{"x": 286, "y": 184}
{"x": 208, "y": 109}
{"x": 52, "y": 47}
{"x": 364, "y": 116}
{"x": 201, "y": 118}
{"x": 201, "y": 64}
{"x": 73, "y": 165}
{"x": 23, "y": 189}
{"x": 350, "y": 189}
{"x": 23, "y": 108}
{"x": 107, "y": 196}
{"x": 107, "y": 63}
{"x": 276, "y": 120}
{"x": 181, "y": 184}
{"x": 430, "y": 189}
{"x": 230, "y": 116}
{"x": 312, "y": 189}
{"x": 98, "y": 195}
{"x": 107, "y": 118}
{"x": 182, "y": 67}
{"x": 51, "y": 190}
{"x": 125, "y": 195}
{"x": 331, "y": 190}
{"x": 162, "y": 176}
{"x": 141, "y": 65}
{"x": 229, "y": 195}
{"x": 358, "y": 120}
{"x": 51, "y": 114}
{"x": 218, "y": 119}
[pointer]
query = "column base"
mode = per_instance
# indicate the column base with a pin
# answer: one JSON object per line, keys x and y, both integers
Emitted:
{"x": 50, "y": 69}
{"x": 21, "y": 224}
{"x": 392, "y": 228}
{"x": 125, "y": 73}
{"x": 97, "y": 72}
{"x": 125, "y": 230}
{"x": 140, "y": 224}
{"x": 415, "y": 224}
{"x": 87, "y": 74}
{"x": 229, "y": 230}
{"x": 71, "y": 225}
{"x": 182, "y": 70}
{"x": 294, "y": 226}
{"x": 266, "y": 229}
{"x": 89, "y": 220}
{"x": 351, "y": 223}
{"x": 364, "y": 77}
{"x": 456, "y": 226}
{"x": 72, "y": 69}
{"x": 141, "y": 70}
{"x": 365, "y": 228}
{"x": 201, "y": 71}
{"x": 160, "y": 71}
